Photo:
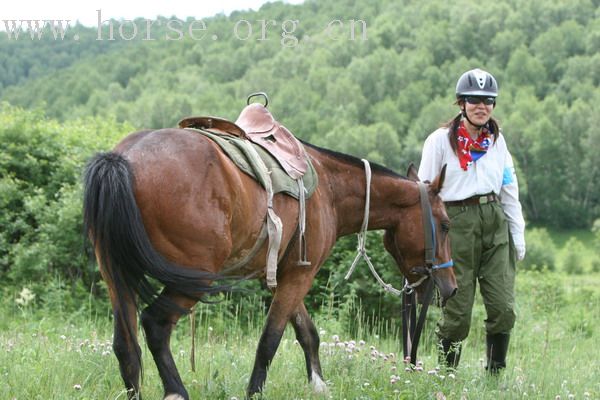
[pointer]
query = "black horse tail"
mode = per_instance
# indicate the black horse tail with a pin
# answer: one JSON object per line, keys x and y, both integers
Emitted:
{"x": 114, "y": 225}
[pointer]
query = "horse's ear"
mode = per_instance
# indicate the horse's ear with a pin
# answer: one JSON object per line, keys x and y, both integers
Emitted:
{"x": 436, "y": 185}
{"x": 412, "y": 173}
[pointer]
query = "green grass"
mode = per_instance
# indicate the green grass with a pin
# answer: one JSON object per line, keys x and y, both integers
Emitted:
{"x": 553, "y": 352}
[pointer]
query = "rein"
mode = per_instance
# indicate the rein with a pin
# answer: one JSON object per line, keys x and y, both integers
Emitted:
{"x": 411, "y": 328}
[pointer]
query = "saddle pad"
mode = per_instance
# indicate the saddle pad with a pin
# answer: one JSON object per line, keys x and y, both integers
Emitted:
{"x": 237, "y": 150}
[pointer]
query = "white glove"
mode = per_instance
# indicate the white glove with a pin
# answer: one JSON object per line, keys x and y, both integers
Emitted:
{"x": 520, "y": 249}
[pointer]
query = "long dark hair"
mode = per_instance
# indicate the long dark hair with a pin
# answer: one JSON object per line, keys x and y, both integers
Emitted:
{"x": 453, "y": 124}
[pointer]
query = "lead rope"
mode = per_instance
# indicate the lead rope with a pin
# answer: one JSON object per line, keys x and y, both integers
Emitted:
{"x": 362, "y": 241}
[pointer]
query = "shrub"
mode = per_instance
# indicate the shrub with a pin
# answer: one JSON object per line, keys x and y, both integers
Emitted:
{"x": 596, "y": 229}
{"x": 544, "y": 290}
{"x": 596, "y": 265}
{"x": 41, "y": 163}
{"x": 541, "y": 251}
{"x": 573, "y": 261}
{"x": 361, "y": 287}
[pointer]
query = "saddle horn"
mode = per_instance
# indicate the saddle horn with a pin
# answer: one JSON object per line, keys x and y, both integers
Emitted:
{"x": 263, "y": 94}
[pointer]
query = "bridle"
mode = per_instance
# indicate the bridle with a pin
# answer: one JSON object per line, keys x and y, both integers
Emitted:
{"x": 429, "y": 228}
{"x": 411, "y": 329}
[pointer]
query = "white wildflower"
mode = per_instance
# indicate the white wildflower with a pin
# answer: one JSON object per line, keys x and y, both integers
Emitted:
{"x": 26, "y": 296}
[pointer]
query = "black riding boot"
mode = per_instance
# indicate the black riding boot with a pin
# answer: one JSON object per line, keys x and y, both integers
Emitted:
{"x": 497, "y": 346}
{"x": 449, "y": 353}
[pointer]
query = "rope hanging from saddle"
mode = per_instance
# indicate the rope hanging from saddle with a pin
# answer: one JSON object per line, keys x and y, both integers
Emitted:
{"x": 362, "y": 242}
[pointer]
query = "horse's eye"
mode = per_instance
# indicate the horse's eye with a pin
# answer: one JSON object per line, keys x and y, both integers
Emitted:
{"x": 445, "y": 226}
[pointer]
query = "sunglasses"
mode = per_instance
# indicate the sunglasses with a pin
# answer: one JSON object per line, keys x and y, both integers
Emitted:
{"x": 488, "y": 101}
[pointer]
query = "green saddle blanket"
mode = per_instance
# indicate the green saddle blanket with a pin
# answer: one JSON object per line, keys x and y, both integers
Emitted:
{"x": 237, "y": 150}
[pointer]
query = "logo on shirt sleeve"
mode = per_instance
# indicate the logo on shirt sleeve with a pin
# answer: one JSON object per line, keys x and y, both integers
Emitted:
{"x": 508, "y": 176}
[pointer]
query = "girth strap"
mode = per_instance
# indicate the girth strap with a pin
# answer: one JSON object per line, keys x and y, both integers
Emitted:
{"x": 302, "y": 261}
{"x": 274, "y": 224}
{"x": 262, "y": 237}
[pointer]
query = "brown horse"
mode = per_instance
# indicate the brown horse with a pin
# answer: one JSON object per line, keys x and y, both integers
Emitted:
{"x": 170, "y": 205}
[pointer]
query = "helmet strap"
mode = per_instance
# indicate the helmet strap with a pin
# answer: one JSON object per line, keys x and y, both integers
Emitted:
{"x": 464, "y": 114}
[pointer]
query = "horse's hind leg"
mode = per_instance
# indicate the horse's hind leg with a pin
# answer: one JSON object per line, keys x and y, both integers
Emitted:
{"x": 125, "y": 342}
{"x": 308, "y": 337}
{"x": 158, "y": 325}
{"x": 126, "y": 347}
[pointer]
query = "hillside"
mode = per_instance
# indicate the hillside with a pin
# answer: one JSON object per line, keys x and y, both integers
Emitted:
{"x": 376, "y": 95}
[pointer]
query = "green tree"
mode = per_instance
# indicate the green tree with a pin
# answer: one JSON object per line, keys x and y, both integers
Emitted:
{"x": 555, "y": 46}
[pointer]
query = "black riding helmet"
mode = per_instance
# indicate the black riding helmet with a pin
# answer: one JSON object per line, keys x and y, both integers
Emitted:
{"x": 476, "y": 82}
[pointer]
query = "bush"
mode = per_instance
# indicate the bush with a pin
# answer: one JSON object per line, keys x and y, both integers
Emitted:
{"x": 41, "y": 239}
{"x": 545, "y": 291}
{"x": 361, "y": 290}
{"x": 541, "y": 251}
{"x": 596, "y": 230}
{"x": 573, "y": 260}
{"x": 596, "y": 265}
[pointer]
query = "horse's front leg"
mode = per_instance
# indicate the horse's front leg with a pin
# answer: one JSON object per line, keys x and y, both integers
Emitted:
{"x": 308, "y": 337}
{"x": 290, "y": 291}
{"x": 158, "y": 325}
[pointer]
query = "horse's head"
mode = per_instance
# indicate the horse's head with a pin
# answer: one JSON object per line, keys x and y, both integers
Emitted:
{"x": 419, "y": 242}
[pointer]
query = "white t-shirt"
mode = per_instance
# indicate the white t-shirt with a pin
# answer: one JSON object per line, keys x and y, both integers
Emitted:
{"x": 493, "y": 172}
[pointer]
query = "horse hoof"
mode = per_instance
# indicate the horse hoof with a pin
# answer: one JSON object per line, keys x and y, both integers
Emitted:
{"x": 173, "y": 397}
{"x": 318, "y": 385}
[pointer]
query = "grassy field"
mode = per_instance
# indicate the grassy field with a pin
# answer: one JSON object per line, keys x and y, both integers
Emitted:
{"x": 554, "y": 352}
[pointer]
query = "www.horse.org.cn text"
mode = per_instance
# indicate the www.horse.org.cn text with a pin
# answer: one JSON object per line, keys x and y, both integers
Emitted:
{"x": 287, "y": 31}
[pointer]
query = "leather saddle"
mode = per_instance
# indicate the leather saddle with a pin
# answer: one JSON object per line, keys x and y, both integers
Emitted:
{"x": 257, "y": 124}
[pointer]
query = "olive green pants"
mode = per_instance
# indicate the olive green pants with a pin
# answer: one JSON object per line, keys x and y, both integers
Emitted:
{"x": 482, "y": 251}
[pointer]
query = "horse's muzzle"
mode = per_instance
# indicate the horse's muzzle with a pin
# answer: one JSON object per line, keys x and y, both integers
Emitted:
{"x": 446, "y": 283}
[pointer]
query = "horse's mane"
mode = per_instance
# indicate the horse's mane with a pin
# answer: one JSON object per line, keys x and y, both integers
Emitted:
{"x": 380, "y": 169}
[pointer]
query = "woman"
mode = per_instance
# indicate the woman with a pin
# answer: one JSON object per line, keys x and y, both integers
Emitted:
{"x": 481, "y": 194}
